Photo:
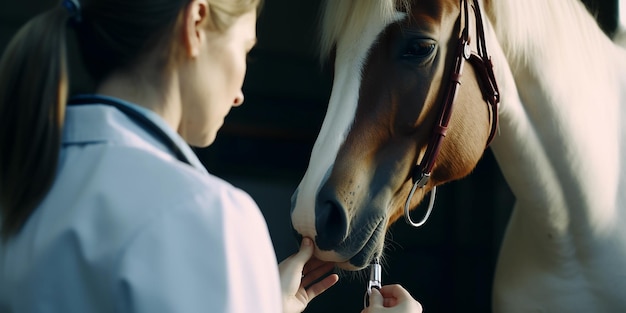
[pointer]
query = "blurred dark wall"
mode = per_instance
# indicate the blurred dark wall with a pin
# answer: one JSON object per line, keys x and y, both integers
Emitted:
{"x": 264, "y": 147}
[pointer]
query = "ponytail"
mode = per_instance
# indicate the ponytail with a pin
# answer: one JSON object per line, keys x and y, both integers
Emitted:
{"x": 33, "y": 93}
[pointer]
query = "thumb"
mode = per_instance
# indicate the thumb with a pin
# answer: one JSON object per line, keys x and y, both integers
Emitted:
{"x": 305, "y": 252}
{"x": 376, "y": 299}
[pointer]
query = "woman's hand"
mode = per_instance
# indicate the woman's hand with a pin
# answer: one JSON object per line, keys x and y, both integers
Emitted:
{"x": 299, "y": 275}
{"x": 392, "y": 299}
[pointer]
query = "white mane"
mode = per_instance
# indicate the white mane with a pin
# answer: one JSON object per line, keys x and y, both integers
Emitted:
{"x": 345, "y": 19}
{"x": 567, "y": 46}
{"x": 566, "y": 70}
{"x": 561, "y": 149}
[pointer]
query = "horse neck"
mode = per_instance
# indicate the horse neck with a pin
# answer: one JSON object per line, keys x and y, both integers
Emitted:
{"x": 560, "y": 143}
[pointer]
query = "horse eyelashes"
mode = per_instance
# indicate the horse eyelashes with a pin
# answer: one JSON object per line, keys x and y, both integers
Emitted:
{"x": 419, "y": 50}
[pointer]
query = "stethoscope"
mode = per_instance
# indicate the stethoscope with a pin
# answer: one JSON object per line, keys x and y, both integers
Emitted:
{"x": 137, "y": 117}
{"x": 374, "y": 282}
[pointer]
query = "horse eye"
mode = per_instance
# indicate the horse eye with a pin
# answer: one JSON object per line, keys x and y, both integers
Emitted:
{"x": 419, "y": 49}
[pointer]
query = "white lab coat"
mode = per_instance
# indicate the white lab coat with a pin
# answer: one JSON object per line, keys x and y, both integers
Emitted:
{"x": 129, "y": 228}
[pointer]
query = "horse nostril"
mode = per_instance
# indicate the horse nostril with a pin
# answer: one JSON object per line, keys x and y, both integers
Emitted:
{"x": 331, "y": 224}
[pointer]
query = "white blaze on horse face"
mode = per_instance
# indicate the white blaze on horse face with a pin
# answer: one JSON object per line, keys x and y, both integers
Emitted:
{"x": 351, "y": 52}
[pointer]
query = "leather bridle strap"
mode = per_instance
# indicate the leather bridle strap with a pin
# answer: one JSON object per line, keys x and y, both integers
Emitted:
{"x": 483, "y": 68}
{"x": 421, "y": 173}
{"x": 484, "y": 72}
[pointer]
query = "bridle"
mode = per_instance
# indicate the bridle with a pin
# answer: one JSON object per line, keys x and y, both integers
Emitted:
{"x": 481, "y": 62}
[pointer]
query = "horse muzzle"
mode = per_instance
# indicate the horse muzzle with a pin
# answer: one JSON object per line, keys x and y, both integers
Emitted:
{"x": 349, "y": 238}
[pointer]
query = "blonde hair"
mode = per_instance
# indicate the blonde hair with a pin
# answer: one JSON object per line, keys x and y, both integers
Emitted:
{"x": 224, "y": 12}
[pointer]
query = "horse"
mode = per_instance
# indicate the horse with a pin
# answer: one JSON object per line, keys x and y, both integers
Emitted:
{"x": 544, "y": 78}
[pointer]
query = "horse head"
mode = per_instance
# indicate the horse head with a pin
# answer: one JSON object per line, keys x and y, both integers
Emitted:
{"x": 390, "y": 121}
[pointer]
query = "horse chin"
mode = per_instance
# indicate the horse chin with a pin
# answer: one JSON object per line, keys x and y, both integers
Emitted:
{"x": 358, "y": 262}
{"x": 370, "y": 249}
{"x": 347, "y": 266}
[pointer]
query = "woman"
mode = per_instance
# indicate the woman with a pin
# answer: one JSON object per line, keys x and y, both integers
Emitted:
{"x": 105, "y": 208}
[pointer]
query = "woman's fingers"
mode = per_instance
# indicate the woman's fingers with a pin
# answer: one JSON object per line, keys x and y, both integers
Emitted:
{"x": 315, "y": 274}
{"x": 321, "y": 286}
{"x": 397, "y": 296}
{"x": 312, "y": 264}
{"x": 303, "y": 255}
{"x": 376, "y": 298}
{"x": 395, "y": 291}
{"x": 291, "y": 268}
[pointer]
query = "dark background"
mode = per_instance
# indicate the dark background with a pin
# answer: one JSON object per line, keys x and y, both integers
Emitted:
{"x": 263, "y": 148}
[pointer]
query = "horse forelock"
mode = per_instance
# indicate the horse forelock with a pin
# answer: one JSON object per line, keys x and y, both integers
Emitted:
{"x": 346, "y": 18}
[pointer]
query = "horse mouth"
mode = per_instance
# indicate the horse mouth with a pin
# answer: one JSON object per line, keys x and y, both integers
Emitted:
{"x": 370, "y": 247}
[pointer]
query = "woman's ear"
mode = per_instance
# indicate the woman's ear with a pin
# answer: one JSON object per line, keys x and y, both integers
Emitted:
{"x": 194, "y": 26}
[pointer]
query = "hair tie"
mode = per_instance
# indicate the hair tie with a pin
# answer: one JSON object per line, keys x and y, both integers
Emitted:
{"x": 73, "y": 8}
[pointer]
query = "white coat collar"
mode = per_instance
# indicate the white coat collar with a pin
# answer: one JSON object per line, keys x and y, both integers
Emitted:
{"x": 105, "y": 123}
